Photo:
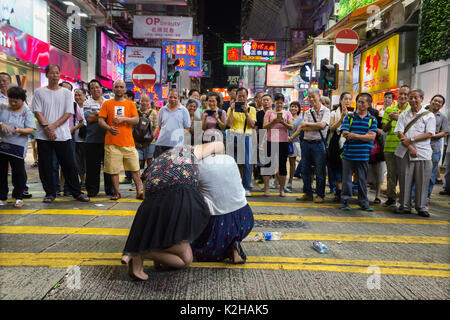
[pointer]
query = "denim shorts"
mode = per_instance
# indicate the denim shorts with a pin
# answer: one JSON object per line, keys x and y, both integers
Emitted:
{"x": 146, "y": 152}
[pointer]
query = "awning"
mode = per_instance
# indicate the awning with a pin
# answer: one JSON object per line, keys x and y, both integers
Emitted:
{"x": 304, "y": 54}
{"x": 360, "y": 15}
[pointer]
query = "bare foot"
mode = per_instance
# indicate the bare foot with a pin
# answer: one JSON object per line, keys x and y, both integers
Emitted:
{"x": 136, "y": 269}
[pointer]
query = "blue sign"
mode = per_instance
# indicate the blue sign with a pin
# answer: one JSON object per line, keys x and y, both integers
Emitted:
{"x": 188, "y": 53}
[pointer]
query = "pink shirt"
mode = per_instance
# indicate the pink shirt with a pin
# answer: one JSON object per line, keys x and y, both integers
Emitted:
{"x": 283, "y": 135}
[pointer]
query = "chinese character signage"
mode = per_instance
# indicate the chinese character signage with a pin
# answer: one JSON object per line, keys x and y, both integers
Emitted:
{"x": 158, "y": 92}
{"x": 232, "y": 56}
{"x": 187, "y": 52}
{"x": 162, "y": 27}
{"x": 135, "y": 56}
{"x": 258, "y": 51}
{"x": 379, "y": 66}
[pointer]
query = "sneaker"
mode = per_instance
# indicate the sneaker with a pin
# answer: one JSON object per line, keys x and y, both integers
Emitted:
{"x": 368, "y": 209}
{"x": 27, "y": 195}
{"x": 305, "y": 197}
{"x": 272, "y": 186}
{"x": 248, "y": 193}
{"x": 345, "y": 206}
{"x": 389, "y": 203}
{"x": 287, "y": 190}
{"x": 402, "y": 211}
{"x": 319, "y": 200}
{"x": 439, "y": 181}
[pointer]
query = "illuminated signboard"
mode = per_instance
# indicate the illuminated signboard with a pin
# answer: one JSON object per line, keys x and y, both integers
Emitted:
{"x": 187, "y": 52}
{"x": 159, "y": 92}
{"x": 379, "y": 66}
{"x": 232, "y": 56}
{"x": 258, "y": 51}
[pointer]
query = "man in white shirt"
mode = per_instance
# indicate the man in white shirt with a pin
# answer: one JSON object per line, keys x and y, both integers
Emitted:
{"x": 315, "y": 125}
{"x": 53, "y": 106}
{"x": 414, "y": 153}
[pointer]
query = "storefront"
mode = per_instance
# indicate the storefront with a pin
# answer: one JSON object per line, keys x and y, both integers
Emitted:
{"x": 25, "y": 58}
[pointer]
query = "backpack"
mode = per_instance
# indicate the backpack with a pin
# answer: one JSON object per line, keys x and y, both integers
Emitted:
{"x": 143, "y": 131}
{"x": 82, "y": 132}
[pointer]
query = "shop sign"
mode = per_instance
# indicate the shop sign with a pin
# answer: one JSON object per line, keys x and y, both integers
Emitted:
{"x": 158, "y": 92}
{"x": 187, "y": 52}
{"x": 277, "y": 78}
{"x": 379, "y": 65}
{"x": 162, "y": 27}
{"x": 232, "y": 56}
{"x": 258, "y": 51}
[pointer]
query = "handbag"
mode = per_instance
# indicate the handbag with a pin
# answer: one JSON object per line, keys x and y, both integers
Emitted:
{"x": 143, "y": 131}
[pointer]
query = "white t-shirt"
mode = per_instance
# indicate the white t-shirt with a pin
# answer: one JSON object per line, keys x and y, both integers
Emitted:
{"x": 53, "y": 104}
{"x": 220, "y": 184}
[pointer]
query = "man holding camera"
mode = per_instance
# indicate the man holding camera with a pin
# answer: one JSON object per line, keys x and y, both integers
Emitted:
{"x": 241, "y": 119}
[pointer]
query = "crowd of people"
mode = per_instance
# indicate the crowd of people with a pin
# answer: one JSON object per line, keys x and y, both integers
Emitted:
{"x": 200, "y": 157}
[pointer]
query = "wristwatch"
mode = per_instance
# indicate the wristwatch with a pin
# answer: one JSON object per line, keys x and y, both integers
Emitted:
{"x": 412, "y": 139}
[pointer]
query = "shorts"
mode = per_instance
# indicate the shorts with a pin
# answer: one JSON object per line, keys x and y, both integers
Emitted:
{"x": 116, "y": 156}
{"x": 146, "y": 152}
{"x": 297, "y": 151}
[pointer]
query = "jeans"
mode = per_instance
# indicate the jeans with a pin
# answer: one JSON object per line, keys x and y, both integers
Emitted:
{"x": 314, "y": 154}
{"x": 18, "y": 176}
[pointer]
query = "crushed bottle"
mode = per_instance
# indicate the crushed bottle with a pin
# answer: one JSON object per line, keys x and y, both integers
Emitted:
{"x": 268, "y": 236}
{"x": 320, "y": 247}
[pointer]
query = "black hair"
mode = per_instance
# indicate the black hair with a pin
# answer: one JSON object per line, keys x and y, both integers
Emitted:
{"x": 65, "y": 82}
{"x": 278, "y": 96}
{"x": 17, "y": 93}
{"x": 47, "y": 68}
{"x": 131, "y": 94}
{"x": 242, "y": 89}
{"x": 214, "y": 94}
{"x": 267, "y": 95}
{"x": 82, "y": 90}
{"x": 340, "y": 99}
{"x": 192, "y": 91}
{"x": 367, "y": 95}
{"x": 438, "y": 96}
{"x": 232, "y": 87}
{"x": 6, "y": 74}
{"x": 389, "y": 93}
{"x": 93, "y": 81}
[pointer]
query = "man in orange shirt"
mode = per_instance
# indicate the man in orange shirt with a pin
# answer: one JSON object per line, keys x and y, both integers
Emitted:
{"x": 117, "y": 116}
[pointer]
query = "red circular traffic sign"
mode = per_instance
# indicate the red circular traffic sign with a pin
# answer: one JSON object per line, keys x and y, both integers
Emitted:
{"x": 346, "y": 41}
{"x": 144, "y": 76}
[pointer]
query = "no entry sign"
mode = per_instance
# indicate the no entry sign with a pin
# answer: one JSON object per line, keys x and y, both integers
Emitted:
{"x": 144, "y": 76}
{"x": 346, "y": 41}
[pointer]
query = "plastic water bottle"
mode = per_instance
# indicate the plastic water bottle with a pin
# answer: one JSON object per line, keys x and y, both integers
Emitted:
{"x": 320, "y": 247}
{"x": 272, "y": 236}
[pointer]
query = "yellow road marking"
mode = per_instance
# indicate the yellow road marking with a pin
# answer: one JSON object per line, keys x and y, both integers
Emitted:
{"x": 285, "y": 236}
{"x": 64, "y": 260}
{"x": 269, "y": 217}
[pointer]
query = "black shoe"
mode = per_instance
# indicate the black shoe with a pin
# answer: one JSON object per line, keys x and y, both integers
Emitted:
{"x": 377, "y": 201}
{"x": 423, "y": 214}
{"x": 389, "y": 202}
{"x": 26, "y": 195}
{"x": 401, "y": 211}
{"x": 444, "y": 192}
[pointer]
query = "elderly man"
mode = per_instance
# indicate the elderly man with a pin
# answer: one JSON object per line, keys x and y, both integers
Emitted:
{"x": 389, "y": 121}
{"x": 117, "y": 116}
{"x": 315, "y": 125}
{"x": 415, "y": 127}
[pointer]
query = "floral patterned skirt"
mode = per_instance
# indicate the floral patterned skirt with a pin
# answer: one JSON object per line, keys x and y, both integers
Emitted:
{"x": 216, "y": 241}
{"x": 177, "y": 213}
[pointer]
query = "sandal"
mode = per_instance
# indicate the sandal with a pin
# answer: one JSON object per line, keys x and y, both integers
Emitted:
{"x": 49, "y": 199}
{"x": 238, "y": 249}
{"x": 116, "y": 196}
{"x": 82, "y": 198}
{"x": 19, "y": 203}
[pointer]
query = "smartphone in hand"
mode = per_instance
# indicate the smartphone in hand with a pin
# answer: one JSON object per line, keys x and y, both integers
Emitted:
{"x": 210, "y": 113}
{"x": 238, "y": 106}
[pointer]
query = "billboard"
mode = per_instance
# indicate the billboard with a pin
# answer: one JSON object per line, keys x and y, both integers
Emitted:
{"x": 111, "y": 58}
{"x": 379, "y": 65}
{"x": 263, "y": 51}
{"x": 135, "y": 56}
{"x": 232, "y": 56}
{"x": 277, "y": 78}
{"x": 162, "y": 27}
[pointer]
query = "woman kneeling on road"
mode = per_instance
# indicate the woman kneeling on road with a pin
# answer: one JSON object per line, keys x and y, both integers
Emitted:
{"x": 231, "y": 216}
{"x": 173, "y": 213}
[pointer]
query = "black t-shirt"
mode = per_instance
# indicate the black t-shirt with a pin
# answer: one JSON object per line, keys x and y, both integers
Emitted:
{"x": 260, "y": 118}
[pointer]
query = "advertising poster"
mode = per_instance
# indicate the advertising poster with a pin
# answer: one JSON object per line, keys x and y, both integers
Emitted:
{"x": 379, "y": 66}
{"x": 187, "y": 52}
{"x": 112, "y": 58}
{"x": 162, "y": 27}
{"x": 277, "y": 78}
{"x": 135, "y": 56}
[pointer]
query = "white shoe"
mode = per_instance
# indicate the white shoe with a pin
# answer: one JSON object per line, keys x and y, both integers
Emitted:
{"x": 272, "y": 185}
{"x": 3, "y": 202}
{"x": 248, "y": 193}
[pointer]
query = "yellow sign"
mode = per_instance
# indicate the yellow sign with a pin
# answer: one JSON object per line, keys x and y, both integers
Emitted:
{"x": 379, "y": 66}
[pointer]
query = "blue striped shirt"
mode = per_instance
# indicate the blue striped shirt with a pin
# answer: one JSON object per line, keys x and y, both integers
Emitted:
{"x": 358, "y": 150}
